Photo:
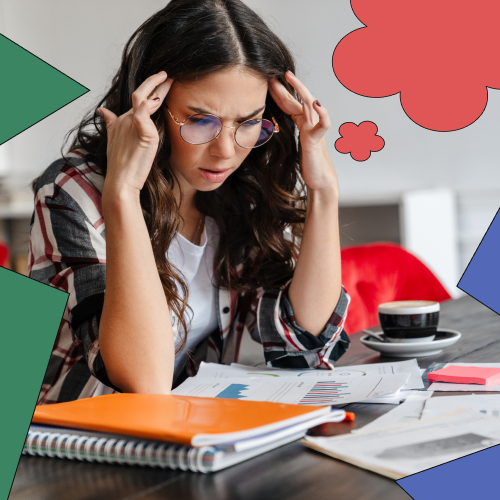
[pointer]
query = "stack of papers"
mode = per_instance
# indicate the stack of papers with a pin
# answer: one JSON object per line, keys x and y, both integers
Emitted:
{"x": 378, "y": 383}
{"x": 420, "y": 433}
{"x": 410, "y": 411}
{"x": 405, "y": 449}
{"x": 420, "y": 406}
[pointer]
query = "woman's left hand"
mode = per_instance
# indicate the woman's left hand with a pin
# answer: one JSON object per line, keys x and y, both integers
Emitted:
{"x": 313, "y": 121}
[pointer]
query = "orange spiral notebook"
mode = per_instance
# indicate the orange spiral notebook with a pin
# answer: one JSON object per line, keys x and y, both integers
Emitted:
{"x": 190, "y": 433}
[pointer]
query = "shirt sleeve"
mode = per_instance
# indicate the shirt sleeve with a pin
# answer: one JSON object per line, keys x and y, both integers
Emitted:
{"x": 269, "y": 318}
{"x": 286, "y": 344}
{"x": 68, "y": 251}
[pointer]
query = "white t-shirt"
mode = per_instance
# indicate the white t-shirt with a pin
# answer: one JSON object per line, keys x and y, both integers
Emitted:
{"x": 196, "y": 264}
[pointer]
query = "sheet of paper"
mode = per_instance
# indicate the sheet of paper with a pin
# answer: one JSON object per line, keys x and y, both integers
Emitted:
{"x": 448, "y": 387}
{"x": 305, "y": 391}
{"x": 405, "y": 449}
{"x": 389, "y": 399}
{"x": 391, "y": 368}
{"x": 487, "y": 404}
{"x": 214, "y": 370}
{"x": 393, "y": 399}
{"x": 409, "y": 411}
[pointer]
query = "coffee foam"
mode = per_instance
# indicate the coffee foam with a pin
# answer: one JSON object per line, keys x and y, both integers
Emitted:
{"x": 408, "y": 303}
{"x": 409, "y": 307}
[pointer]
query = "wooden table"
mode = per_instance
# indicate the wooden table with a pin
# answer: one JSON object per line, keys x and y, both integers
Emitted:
{"x": 291, "y": 472}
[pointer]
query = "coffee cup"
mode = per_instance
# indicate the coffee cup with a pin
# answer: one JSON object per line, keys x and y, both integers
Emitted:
{"x": 409, "y": 320}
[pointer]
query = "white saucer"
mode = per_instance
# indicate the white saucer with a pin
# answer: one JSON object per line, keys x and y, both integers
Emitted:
{"x": 444, "y": 338}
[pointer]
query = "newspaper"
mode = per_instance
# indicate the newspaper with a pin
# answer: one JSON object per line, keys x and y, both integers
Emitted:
{"x": 404, "y": 449}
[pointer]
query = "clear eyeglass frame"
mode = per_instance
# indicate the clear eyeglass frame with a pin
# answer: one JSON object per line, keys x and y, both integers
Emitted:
{"x": 276, "y": 128}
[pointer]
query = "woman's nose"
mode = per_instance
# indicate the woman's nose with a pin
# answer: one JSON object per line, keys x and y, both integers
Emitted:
{"x": 224, "y": 145}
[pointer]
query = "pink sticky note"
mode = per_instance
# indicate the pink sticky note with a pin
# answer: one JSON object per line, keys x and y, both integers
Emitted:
{"x": 466, "y": 375}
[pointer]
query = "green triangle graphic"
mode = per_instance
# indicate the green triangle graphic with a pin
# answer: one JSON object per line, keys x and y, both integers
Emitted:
{"x": 30, "y": 315}
{"x": 30, "y": 89}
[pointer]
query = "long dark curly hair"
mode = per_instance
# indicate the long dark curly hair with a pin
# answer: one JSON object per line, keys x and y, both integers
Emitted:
{"x": 190, "y": 39}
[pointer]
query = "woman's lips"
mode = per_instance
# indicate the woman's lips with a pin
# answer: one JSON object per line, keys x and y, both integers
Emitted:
{"x": 214, "y": 175}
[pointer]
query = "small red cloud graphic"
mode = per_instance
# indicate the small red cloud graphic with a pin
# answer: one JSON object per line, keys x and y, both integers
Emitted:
{"x": 440, "y": 55}
{"x": 359, "y": 140}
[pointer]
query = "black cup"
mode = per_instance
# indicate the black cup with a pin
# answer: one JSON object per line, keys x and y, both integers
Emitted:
{"x": 409, "y": 320}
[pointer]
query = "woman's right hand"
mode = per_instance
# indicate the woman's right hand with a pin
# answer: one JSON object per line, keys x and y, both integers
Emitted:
{"x": 133, "y": 138}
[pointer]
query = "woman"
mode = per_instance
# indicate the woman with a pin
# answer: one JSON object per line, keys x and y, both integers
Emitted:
{"x": 197, "y": 175}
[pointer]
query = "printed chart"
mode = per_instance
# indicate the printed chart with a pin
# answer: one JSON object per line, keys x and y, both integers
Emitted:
{"x": 292, "y": 390}
{"x": 235, "y": 370}
{"x": 234, "y": 391}
{"x": 325, "y": 392}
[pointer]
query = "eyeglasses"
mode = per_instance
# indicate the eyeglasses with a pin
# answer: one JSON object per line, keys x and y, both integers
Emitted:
{"x": 202, "y": 128}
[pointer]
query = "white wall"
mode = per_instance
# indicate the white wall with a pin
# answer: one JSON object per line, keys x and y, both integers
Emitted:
{"x": 466, "y": 161}
{"x": 413, "y": 157}
{"x": 85, "y": 39}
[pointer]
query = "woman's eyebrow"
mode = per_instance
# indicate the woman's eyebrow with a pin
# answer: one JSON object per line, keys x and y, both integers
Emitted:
{"x": 242, "y": 118}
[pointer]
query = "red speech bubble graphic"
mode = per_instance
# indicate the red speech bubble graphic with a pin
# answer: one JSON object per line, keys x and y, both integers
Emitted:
{"x": 359, "y": 140}
{"x": 440, "y": 55}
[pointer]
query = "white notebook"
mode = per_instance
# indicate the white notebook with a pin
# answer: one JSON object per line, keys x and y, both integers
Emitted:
{"x": 93, "y": 446}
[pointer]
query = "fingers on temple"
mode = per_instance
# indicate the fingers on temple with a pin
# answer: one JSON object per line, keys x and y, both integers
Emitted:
{"x": 155, "y": 100}
{"x": 304, "y": 94}
{"x": 275, "y": 94}
{"x": 284, "y": 99}
{"x": 301, "y": 89}
{"x": 147, "y": 88}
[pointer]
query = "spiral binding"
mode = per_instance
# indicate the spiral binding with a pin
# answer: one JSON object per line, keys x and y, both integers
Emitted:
{"x": 121, "y": 451}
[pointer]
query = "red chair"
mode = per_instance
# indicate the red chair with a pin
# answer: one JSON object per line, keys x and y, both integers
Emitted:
{"x": 4, "y": 254}
{"x": 383, "y": 272}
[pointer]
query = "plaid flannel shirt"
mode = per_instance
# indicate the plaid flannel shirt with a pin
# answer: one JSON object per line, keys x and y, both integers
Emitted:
{"x": 68, "y": 251}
